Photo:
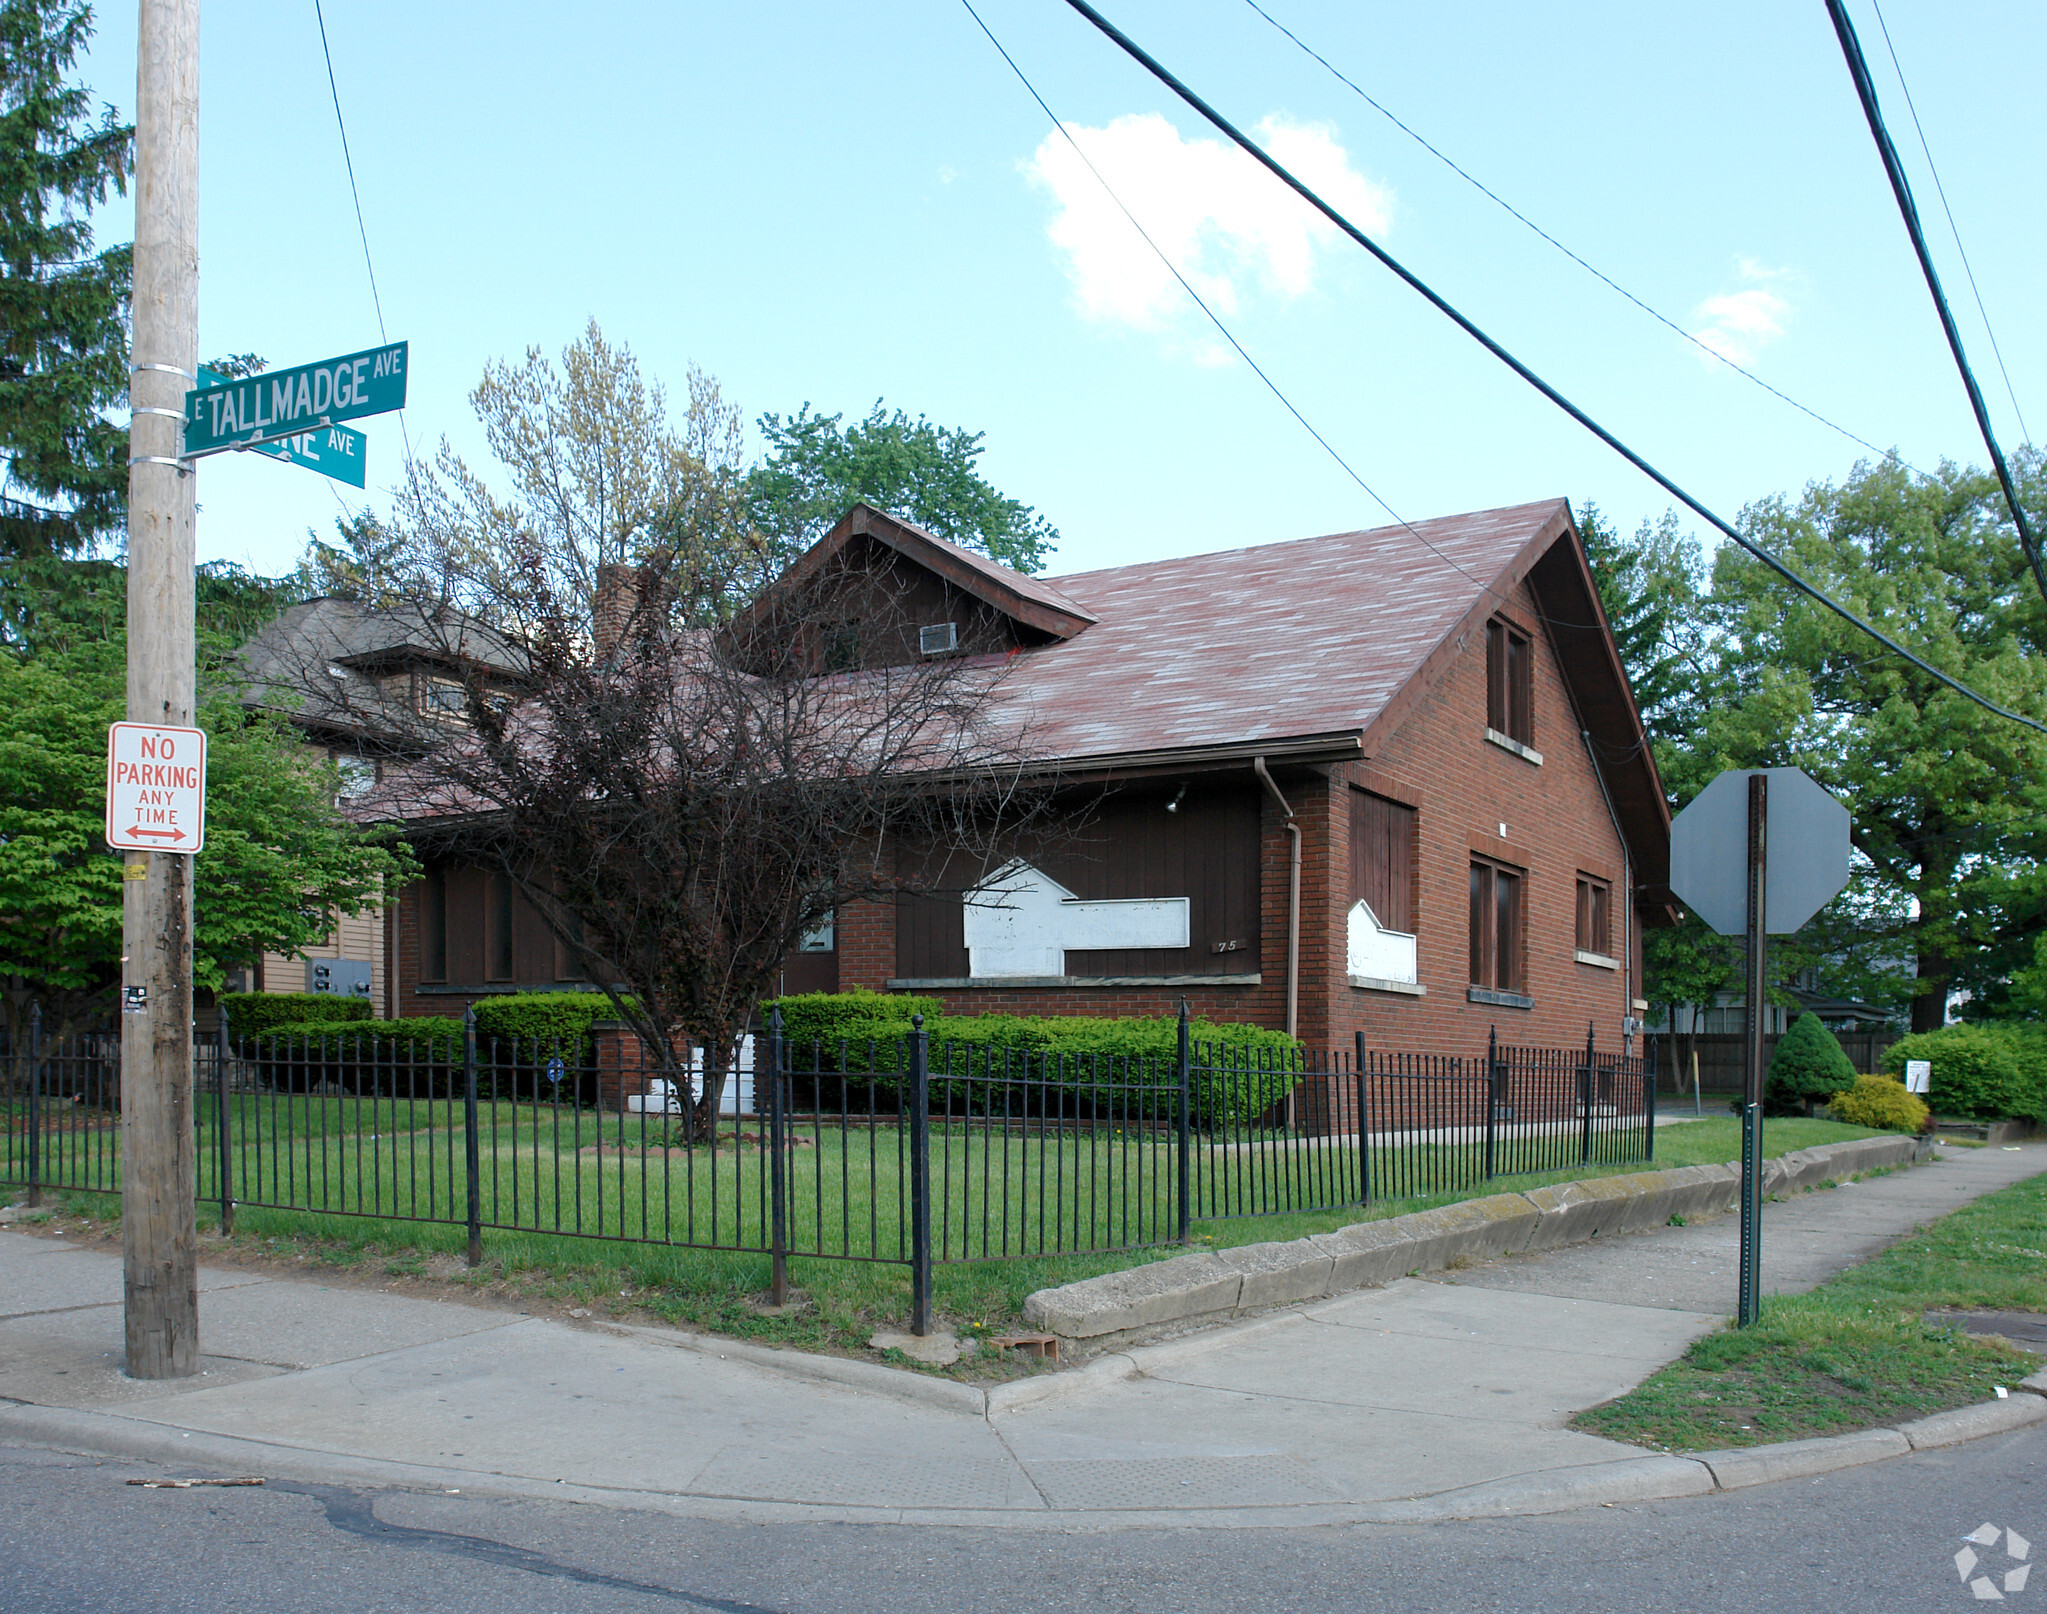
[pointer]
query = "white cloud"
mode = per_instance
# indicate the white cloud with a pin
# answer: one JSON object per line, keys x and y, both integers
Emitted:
{"x": 1738, "y": 325}
{"x": 1227, "y": 225}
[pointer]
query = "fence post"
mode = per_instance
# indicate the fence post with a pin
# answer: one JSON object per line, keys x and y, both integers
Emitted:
{"x": 1585, "y": 1101}
{"x": 221, "y": 1043}
{"x": 1649, "y": 1052}
{"x": 1181, "y": 1123}
{"x": 471, "y": 1143}
{"x": 920, "y": 1177}
{"x": 778, "y": 1171}
{"x": 1492, "y": 1098}
{"x": 1364, "y": 1130}
{"x": 35, "y": 1093}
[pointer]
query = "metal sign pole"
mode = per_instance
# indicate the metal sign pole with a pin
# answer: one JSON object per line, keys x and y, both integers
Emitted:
{"x": 1749, "y": 1302}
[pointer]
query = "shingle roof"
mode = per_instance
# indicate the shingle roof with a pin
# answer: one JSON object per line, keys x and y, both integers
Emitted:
{"x": 1315, "y": 636}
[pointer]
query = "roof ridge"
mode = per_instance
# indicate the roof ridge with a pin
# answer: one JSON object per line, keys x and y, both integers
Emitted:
{"x": 1456, "y": 520}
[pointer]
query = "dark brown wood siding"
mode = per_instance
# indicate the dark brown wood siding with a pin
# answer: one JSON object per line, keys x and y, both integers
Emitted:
{"x": 1382, "y": 859}
{"x": 1206, "y": 850}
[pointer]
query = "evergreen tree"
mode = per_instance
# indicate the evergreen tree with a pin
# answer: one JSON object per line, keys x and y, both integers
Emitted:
{"x": 1808, "y": 1064}
{"x": 63, "y": 306}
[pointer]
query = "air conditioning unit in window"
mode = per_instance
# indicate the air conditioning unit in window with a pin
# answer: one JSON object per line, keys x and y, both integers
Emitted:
{"x": 938, "y": 638}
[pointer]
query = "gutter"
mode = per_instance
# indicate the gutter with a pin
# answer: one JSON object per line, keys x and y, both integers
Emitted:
{"x": 1293, "y": 901}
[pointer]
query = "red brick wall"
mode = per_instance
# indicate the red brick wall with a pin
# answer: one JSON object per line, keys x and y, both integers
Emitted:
{"x": 1464, "y": 788}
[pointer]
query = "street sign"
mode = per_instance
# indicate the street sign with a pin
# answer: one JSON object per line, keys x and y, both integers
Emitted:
{"x": 332, "y": 451}
{"x": 156, "y": 788}
{"x": 337, "y": 451}
{"x": 1808, "y": 849}
{"x": 290, "y": 403}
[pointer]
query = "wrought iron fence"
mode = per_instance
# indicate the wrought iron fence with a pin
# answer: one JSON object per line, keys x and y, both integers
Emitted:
{"x": 918, "y": 1152}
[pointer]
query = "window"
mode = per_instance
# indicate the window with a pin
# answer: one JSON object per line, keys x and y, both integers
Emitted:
{"x": 358, "y": 777}
{"x": 433, "y": 924}
{"x": 567, "y": 967}
{"x": 441, "y": 697}
{"x": 1509, "y": 701}
{"x": 497, "y": 928}
{"x": 1495, "y": 928}
{"x": 1595, "y": 916}
{"x": 1382, "y": 860}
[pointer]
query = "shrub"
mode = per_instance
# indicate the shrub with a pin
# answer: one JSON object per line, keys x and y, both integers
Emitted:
{"x": 257, "y": 1014}
{"x": 819, "y": 1026}
{"x": 1881, "y": 1102}
{"x": 538, "y": 1024}
{"x": 1974, "y": 1073}
{"x": 2026, "y": 1042}
{"x": 407, "y": 1058}
{"x": 1808, "y": 1064}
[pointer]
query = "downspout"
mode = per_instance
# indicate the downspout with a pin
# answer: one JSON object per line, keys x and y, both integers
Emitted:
{"x": 1293, "y": 903}
{"x": 1628, "y": 988}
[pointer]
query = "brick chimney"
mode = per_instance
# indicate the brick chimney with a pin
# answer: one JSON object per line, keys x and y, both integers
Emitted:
{"x": 618, "y": 596}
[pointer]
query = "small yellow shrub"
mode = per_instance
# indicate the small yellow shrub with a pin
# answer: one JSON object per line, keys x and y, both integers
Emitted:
{"x": 1879, "y": 1101}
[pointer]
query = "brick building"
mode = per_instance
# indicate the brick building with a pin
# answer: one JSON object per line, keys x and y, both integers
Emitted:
{"x": 1390, "y": 781}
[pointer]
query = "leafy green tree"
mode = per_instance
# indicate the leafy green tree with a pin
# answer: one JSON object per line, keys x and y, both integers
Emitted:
{"x": 280, "y": 860}
{"x": 912, "y": 469}
{"x": 63, "y": 306}
{"x": 1944, "y": 797}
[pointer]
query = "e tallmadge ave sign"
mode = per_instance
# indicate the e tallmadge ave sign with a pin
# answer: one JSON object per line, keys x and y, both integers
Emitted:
{"x": 156, "y": 788}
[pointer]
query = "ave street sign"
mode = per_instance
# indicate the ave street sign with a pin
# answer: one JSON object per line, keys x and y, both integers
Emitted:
{"x": 156, "y": 788}
{"x": 337, "y": 451}
{"x": 1806, "y": 850}
{"x": 290, "y": 403}
{"x": 332, "y": 451}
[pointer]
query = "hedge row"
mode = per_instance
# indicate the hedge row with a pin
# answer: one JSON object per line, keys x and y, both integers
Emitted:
{"x": 259, "y": 1014}
{"x": 973, "y": 1056}
{"x": 534, "y": 1024}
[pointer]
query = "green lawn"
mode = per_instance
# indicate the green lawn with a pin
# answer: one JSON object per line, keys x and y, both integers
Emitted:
{"x": 337, "y": 1155}
{"x": 1855, "y": 1352}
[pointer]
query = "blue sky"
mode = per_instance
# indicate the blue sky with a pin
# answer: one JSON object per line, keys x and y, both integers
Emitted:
{"x": 838, "y": 203}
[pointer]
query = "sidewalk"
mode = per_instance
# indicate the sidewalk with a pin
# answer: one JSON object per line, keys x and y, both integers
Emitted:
{"x": 1425, "y": 1399}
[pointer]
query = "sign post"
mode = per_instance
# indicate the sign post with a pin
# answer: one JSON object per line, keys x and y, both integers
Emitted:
{"x": 1758, "y": 853}
{"x": 159, "y": 1239}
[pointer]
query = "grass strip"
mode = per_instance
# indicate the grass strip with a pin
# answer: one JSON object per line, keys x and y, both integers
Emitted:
{"x": 1856, "y": 1352}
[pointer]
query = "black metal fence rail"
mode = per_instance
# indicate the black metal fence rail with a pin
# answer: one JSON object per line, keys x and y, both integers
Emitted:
{"x": 912, "y": 1152}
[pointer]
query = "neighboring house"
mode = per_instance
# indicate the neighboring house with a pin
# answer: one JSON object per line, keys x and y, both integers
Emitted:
{"x": 1390, "y": 782}
{"x": 333, "y": 667}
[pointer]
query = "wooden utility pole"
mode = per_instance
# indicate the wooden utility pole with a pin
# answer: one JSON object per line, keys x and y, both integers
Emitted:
{"x": 158, "y": 1153}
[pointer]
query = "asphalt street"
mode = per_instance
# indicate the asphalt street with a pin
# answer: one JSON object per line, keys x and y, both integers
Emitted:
{"x": 75, "y": 1538}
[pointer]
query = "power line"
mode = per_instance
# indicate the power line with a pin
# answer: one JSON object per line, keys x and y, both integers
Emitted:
{"x": 1214, "y": 318}
{"x": 362, "y": 229}
{"x": 1858, "y": 70}
{"x": 1443, "y": 306}
{"x": 1954, "y": 229}
{"x": 1597, "y": 274}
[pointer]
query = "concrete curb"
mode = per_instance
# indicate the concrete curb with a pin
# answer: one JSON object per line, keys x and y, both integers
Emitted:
{"x": 1249, "y": 1277}
{"x": 1648, "y": 1478}
{"x": 1742, "y": 1466}
{"x": 1555, "y": 1490}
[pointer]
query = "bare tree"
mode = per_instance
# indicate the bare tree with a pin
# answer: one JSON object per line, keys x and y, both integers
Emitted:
{"x": 681, "y": 788}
